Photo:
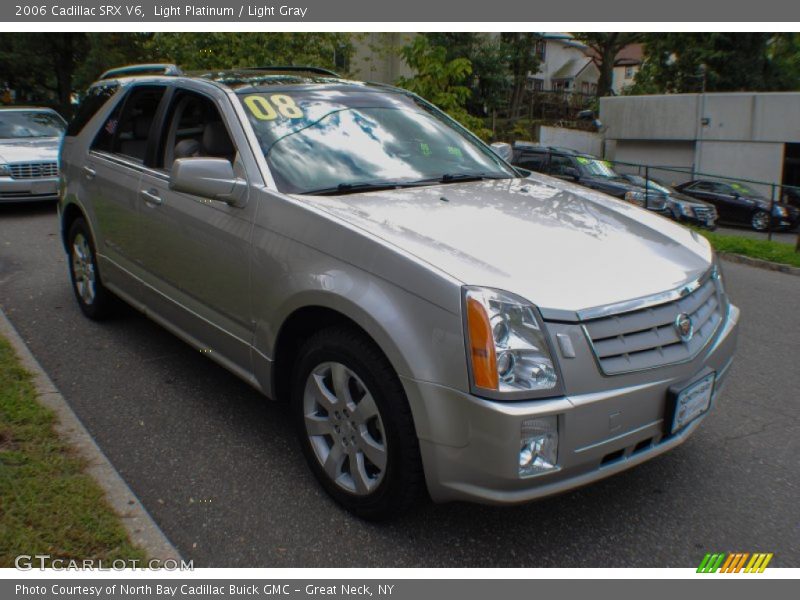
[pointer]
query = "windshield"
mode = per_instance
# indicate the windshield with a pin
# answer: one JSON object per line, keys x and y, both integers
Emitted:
{"x": 744, "y": 190}
{"x": 596, "y": 167}
{"x": 329, "y": 138}
{"x": 30, "y": 124}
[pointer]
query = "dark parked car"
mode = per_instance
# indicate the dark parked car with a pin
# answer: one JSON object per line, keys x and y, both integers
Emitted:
{"x": 586, "y": 170}
{"x": 682, "y": 208}
{"x": 739, "y": 203}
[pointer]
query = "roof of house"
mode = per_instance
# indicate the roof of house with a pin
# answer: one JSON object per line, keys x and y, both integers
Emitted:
{"x": 572, "y": 68}
{"x": 632, "y": 54}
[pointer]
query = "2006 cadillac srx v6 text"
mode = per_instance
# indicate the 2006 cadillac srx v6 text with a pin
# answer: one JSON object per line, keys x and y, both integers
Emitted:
{"x": 438, "y": 322}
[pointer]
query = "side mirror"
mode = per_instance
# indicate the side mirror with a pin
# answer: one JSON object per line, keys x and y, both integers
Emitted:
{"x": 211, "y": 178}
{"x": 503, "y": 150}
{"x": 572, "y": 173}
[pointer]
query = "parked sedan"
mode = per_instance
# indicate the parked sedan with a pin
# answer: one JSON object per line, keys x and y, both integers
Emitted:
{"x": 682, "y": 208}
{"x": 586, "y": 170}
{"x": 29, "y": 141}
{"x": 739, "y": 203}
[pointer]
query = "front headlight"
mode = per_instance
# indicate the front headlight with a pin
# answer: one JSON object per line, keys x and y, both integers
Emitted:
{"x": 637, "y": 198}
{"x": 5, "y": 171}
{"x": 507, "y": 349}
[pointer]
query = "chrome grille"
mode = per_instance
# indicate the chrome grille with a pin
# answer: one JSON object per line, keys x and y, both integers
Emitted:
{"x": 705, "y": 212}
{"x": 648, "y": 338}
{"x": 33, "y": 170}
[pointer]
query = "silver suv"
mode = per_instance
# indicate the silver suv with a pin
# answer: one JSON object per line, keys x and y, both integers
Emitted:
{"x": 436, "y": 321}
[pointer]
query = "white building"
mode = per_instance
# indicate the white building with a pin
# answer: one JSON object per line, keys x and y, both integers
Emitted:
{"x": 747, "y": 135}
{"x": 565, "y": 65}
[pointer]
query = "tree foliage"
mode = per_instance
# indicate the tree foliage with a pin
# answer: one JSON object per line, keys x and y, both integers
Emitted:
{"x": 224, "y": 50}
{"x": 606, "y": 46}
{"x": 725, "y": 62}
{"x": 490, "y": 80}
{"x": 50, "y": 68}
{"x": 521, "y": 58}
{"x": 439, "y": 80}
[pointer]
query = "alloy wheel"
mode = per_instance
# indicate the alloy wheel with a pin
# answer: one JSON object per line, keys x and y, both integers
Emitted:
{"x": 83, "y": 270}
{"x": 344, "y": 428}
{"x": 760, "y": 221}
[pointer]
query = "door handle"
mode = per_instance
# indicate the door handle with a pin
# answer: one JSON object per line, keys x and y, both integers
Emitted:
{"x": 151, "y": 197}
{"x": 89, "y": 172}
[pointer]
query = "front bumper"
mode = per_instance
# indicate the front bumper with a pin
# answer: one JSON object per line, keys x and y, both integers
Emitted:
{"x": 470, "y": 446}
{"x": 28, "y": 190}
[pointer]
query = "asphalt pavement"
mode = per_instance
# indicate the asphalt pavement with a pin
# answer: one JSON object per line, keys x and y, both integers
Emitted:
{"x": 219, "y": 468}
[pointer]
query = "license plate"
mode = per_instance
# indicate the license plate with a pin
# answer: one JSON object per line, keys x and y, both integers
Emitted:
{"x": 39, "y": 188}
{"x": 693, "y": 402}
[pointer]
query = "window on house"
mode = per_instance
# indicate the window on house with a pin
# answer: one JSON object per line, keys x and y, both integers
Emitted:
{"x": 629, "y": 72}
{"x": 541, "y": 49}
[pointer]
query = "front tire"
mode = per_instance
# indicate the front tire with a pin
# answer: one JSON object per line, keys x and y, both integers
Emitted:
{"x": 355, "y": 425}
{"x": 94, "y": 300}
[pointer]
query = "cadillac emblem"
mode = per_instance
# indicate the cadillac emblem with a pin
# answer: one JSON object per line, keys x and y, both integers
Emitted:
{"x": 684, "y": 327}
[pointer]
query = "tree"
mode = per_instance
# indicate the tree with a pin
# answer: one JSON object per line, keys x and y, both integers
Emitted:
{"x": 605, "y": 47}
{"x": 522, "y": 59}
{"x": 40, "y": 67}
{"x": 224, "y": 50}
{"x": 108, "y": 50}
{"x": 724, "y": 62}
{"x": 439, "y": 80}
{"x": 490, "y": 80}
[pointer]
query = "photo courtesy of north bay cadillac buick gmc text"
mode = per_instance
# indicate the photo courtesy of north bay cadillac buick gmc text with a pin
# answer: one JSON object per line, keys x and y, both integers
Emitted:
{"x": 441, "y": 323}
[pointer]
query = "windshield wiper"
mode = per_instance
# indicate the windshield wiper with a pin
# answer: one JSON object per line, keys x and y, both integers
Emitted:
{"x": 461, "y": 178}
{"x": 358, "y": 187}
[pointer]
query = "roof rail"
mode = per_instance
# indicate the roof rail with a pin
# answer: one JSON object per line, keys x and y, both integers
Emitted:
{"x": 295, "y": 69}
{"x": 145, "y": 69}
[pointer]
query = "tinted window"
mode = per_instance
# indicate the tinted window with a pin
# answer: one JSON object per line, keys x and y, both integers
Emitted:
{"x": 535, "y": 161}
{"x": 30, "y": 124}
{"x": 194, "y": 128}
{"x": 702, "y": 186}
{"x": 559, "y": 165}
{"x": 91, "y": 104}
{"x": 127, "y": 129}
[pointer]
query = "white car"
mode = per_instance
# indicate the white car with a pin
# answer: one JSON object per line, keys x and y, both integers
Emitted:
{"x": 29, "y": 142}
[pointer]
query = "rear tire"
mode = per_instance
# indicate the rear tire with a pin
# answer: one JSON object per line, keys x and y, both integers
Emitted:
{"x": 94, "y": 300}
{"x": 355, "y": 425}
{"x": 760, "y": 220}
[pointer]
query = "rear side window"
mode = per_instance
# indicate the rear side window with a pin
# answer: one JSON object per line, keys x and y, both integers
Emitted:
{"x": 534, "y": 161}
{"x": 93, "y": 102}
{"x": 127, "y": 129}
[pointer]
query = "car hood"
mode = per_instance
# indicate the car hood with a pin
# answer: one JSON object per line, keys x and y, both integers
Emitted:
{"x": 559, "y": 245}
{"x": 29, "y": 149}
{"x": 680, "y": 197}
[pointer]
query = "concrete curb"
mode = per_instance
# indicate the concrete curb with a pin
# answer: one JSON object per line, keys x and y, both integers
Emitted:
{"x": 761, "y": 264}
{"x": 140, "y": 526}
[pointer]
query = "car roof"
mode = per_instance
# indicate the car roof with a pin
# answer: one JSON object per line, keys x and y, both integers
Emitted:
{"x": 237, "y": 79}
{"x": 28, "y": 109}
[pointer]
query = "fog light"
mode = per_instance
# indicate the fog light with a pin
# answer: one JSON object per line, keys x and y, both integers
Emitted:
{"x": 538, "y": 451}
